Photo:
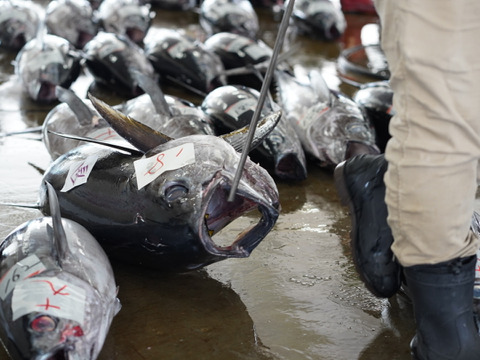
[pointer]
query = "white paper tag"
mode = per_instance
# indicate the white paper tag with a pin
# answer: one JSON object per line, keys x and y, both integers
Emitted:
{"x": 148, "y": 169}
{"x": 25, "y": 268}
{"x": 79, "y": 172}
{"x": 49, "y": 296}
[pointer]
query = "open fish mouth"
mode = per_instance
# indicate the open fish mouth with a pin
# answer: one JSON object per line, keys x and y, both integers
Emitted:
{"x": 218, "y": 212}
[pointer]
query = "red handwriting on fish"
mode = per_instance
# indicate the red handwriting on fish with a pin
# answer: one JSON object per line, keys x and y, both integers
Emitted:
{"x": 48, "y": 305}
{"x": 55, "y": 291}
{"x": 108, "y": 134}
{"x": 159, "y": 163}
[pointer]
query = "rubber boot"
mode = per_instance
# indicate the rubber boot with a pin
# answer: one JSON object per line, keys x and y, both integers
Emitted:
{"x": 359, "y": 183}
{"x": 442, "y": 296}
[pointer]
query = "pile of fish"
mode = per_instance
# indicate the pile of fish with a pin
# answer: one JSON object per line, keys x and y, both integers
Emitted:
{"x": 147, "y": 181}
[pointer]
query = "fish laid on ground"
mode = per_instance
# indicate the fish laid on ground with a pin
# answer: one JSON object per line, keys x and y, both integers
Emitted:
{"x": 74, "y": 116}
{"x": 176, "y": 56}
{"x": 45, "y": 62}
{"x": 331, "y": 126}
{"x": 163, "y": 205}
{"x": 174, "y": 4}
{"x": 232, "y": 106}
{"x": 71, "y": 19}
{"x": 113, "y": 60}
{"x": 235, "y": 16}
{"x": 322, "y": 19}
{"x": 376, "y": 101}
{"x": 19, "y": 23}
{"x": 131, "y": 18}
{"x": 57, "y": 290}
{"x": 175, "y": 117}
{"x": 240, "y": 52}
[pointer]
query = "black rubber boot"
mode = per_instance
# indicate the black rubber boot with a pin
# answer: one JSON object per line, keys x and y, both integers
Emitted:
{"x": 359, "y": 183}
{"x": 442, "y": 296}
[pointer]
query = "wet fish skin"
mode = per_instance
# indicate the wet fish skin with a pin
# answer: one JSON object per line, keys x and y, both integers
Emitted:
{"x": 235, "y": 16}
{"x": 38, "y": 254}
{"x": 71, "y": 19}
{"x": 174, "y": 54}
{"x": 131, "y": 18}
{"x": 174, "y": 4}
{"x": 232, "y": 106}
{"x": 376, "y": 101}
{"x": 168, "y": 224}
{"x": 185, "y": 118}
{"x": 19, "y": 23}
{"x": 112, "y": 59}
{"x": 65, "y": 119}
{"x": 318, "y": 19}
{"x": 331, "y": 126}
{"x": 45, "y": 62}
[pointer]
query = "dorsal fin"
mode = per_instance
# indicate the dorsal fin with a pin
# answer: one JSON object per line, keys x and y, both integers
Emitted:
{"x": 139, "y": 135}
{"x": 83, "y": 113}
{"x": 60, "y": 244}
{"x": 151, "y": 87}
{"x": 237, "y": 138}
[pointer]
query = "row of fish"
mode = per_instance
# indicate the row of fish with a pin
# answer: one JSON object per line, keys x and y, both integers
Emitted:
{"x": 148, "y": 179}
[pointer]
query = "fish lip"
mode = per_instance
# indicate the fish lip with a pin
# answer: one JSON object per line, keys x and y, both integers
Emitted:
{"x": 245, "y": 243}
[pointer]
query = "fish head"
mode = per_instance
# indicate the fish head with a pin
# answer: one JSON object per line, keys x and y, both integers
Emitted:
{"x": 44, "y": 63}
{"x": 72, "y": 20}
{"x": 45, "y": 335}
{"x": 237, "y": 17}
{"x": 127, "y": 18}
{"x": 319, "y": 18}
{"x": 232, "y": 106}
{"x": 112, "y": 59}
{"x": 18, "y": 24}
{"x": 197, "y": 193}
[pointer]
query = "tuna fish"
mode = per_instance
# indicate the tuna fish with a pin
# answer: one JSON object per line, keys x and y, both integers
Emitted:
{"x": 19, "y": 23}
{"x": 113, "y": 59}
{"x": 235, "y": 16}
{"x": 376, "y": 101}
{"x": 176, "y": 56}
{"x": 163, "y": 205}
{"x": 129, "y": 18}
{"x": 321, "y": 19}
{"x": 232, "y": 106}
{"x": 45, "y": 62}
{"x": 57, "y": 290}
{"x": 71, "y": 19}
{"x": 330, "y": 125}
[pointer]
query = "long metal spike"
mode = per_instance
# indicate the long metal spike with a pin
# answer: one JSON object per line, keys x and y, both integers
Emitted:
{"x": 261, "y": 99}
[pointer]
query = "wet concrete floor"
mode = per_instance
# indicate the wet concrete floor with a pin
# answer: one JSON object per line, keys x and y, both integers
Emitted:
{"x": 296, "y": 297}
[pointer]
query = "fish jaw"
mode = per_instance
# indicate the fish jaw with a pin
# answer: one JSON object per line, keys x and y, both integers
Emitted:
{"x": 218, "y": 212}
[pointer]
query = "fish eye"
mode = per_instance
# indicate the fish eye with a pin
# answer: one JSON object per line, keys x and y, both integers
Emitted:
{"x": 43, "y": 323}
{"x": 175, "y": 192}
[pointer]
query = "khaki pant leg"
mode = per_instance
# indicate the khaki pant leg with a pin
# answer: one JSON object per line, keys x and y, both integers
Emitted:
{"x": 433, "y": 156}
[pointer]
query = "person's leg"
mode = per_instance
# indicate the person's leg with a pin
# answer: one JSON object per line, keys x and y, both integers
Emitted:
{"x": 432, "y": 165}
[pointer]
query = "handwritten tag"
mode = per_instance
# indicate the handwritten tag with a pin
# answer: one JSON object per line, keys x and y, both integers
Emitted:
{"x": 25, "y": 268}
{"x": 148, "y": 169}
{"x": 79, "y": 172}
{"x": 49, "y": 295}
